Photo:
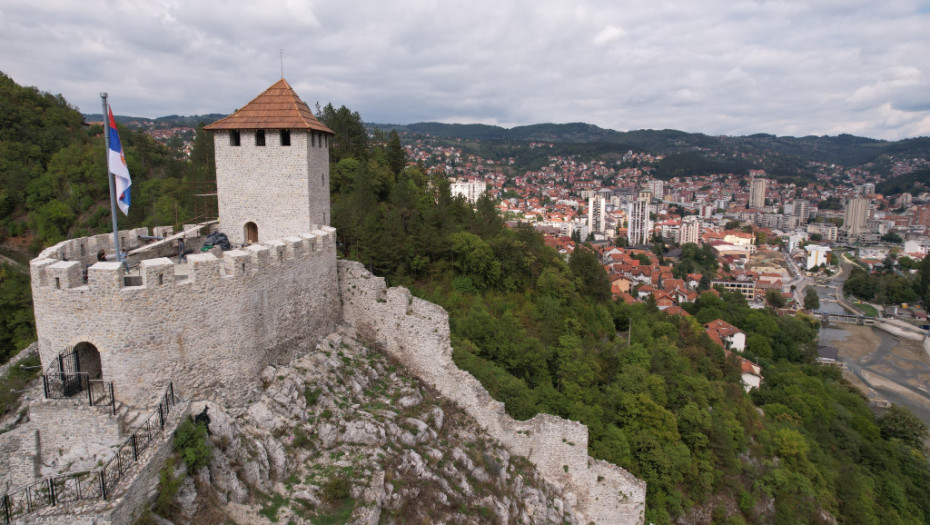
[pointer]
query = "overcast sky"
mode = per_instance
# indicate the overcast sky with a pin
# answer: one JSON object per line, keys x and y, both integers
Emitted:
{"x": 730, "y": 67}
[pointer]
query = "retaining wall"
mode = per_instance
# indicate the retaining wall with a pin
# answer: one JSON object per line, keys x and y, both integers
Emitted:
{"x": 416, "y": 333}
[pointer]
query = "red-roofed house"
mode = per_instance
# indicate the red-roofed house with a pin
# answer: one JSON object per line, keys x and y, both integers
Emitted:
{"x": 726, "y": 335}
{"x": 750, "y": 372}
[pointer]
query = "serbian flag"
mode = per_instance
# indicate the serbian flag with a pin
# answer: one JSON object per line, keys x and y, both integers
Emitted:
{"x": 118, "y": 167}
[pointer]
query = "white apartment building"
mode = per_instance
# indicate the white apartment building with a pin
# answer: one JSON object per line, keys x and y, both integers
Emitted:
{"x": 639, "y": 227}
{"x": 472, "y": 191}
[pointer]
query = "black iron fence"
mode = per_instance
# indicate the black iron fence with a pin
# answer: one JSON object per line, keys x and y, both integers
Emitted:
{"x": 89, "y": 485}
{"x": 63, "y": 379}
{"x": 97, "y": 391}
{"x": 129, "y": 451}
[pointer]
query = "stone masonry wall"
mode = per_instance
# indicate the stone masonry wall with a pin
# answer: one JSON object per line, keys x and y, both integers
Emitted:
{"x": 65, "y": 423}
{"x": 282, "y": 189}
{"x": 211, "y": 331}
{"x": 416, "y": 333}
{"x": 19, "y": 457}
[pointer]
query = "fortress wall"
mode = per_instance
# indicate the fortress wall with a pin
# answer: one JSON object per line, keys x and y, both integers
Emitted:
{"x": 211, "y": 332}
{"x": 416, "y": 333}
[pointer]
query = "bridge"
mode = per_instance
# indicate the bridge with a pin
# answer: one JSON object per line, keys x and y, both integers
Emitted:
{"x": 862, "y": 320}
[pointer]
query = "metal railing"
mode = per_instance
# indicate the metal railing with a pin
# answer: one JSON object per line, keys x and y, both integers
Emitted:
{"x": 128, "y": 452}
{"x": 88, "y": 485}
{"x": 59, "y": 385}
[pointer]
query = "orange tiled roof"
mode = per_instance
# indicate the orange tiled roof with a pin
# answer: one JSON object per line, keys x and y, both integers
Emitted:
{"x": 278, "y": 107}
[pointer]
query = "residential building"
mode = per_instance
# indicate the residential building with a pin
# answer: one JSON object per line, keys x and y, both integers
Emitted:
{"x": 639, "y": 225}
{"x": 657, "y": 188}
{"x": 816, "y": 255}
{"x": 757, "y": 187}
{"x": 597, "y": 214}
{"x": 801, "y": 209}
{"x": 827, "y": 230}
{"x": 690, "y": 230}
{"x": 726, "y": 335}
{"x": 747, "y": 288}
{"x": 857, "y": 213}
{"x": 472, "y": 191}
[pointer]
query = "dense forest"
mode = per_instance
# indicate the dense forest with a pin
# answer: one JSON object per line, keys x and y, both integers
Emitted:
{"x": 541, "y": 333}
{"x": 53, "y": 186}
{"x": 659, "y": 398}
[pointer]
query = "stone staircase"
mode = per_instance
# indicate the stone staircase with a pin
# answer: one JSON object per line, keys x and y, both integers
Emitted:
{"x": 129, "y": 418}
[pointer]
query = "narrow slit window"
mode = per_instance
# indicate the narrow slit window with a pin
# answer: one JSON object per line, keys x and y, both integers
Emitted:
{"x": 285, "y": 137}
{"x": 161, "y": 279}
{"x": 260, "y": 137}
{"x": 312, "y": 139}
{"x": 58, "y": 283}
{"x": 234, "y": 138}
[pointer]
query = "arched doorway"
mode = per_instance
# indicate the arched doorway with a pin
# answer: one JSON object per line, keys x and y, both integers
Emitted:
{"x": 251, "y": 233}
{"x": 87, "y": 359}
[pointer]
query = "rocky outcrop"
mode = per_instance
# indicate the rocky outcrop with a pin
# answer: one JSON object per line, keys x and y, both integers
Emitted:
{"x": 344, "y": 432}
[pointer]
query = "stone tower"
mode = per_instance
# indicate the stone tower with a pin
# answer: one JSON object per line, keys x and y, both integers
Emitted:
{"x": 272, "y": 168}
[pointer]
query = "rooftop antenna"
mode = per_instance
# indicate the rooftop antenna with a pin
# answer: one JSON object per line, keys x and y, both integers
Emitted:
{"x": 281, "y": 54}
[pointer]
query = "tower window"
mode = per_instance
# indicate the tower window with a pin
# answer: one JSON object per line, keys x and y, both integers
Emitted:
{"x": 285, "y": 137}
{"x": 234, "y": 138}
{"x": 260, "y": 137}
{"x": 312, "y": 139}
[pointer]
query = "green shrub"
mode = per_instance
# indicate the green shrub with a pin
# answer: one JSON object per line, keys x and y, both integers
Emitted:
{"x": 336, "y": 489}
{"x": 190, "y": 441}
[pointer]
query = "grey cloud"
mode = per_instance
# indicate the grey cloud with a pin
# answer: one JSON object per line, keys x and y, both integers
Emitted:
{"x": 716, "y": 66}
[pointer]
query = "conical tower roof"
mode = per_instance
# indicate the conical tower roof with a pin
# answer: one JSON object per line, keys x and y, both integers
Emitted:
{"x": 278, "y": 107}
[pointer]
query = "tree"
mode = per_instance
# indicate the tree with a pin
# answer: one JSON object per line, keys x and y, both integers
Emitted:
{"x": 775, "y": 298}
{"x": 351, "y": 138}
{"x": 900, "y": 423}
{"x": 396, "y": 157}
{"x": 589, "y": 274}
{"x": 892, "y": 237}
{"x": 811, "y": 299}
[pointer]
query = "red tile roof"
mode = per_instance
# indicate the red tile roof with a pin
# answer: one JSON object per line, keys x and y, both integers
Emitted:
{"x": 278, "y": 107}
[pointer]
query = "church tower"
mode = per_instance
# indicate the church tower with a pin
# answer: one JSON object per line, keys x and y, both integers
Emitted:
{"x": 272, "y": 168}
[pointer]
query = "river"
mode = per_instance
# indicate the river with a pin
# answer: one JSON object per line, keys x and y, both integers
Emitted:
{"x": 891, "y": 368}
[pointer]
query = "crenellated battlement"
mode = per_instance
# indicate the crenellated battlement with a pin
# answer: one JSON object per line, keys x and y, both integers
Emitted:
{"x": 211, "y": 323}
{"x": 203, "y": 269}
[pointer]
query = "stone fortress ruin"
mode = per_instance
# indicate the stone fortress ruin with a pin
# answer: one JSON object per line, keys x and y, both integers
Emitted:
{"x": 124, "y": 352}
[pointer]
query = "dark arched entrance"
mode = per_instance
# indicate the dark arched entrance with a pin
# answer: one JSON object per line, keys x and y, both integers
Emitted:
{"x": 251, "y": 233}
{"x": 88, "y": 360}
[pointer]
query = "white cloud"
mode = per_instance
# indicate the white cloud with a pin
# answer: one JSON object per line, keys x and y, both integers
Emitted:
{"x": 716, "y": 66}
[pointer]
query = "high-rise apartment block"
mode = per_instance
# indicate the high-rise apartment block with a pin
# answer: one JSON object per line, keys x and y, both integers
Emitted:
{"x": 857, "y": 213}
{"x": 690, "y": 230}
{"x": 801, "y": 210}
{"x": 757, "y": 187}
{"x": 597, "y": 214}
{"x": 657, "y": 188}
{"x": 639, "y": 225}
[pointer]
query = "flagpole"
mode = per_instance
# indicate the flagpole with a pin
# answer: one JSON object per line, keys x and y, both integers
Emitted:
{"x": 106, "y": 143}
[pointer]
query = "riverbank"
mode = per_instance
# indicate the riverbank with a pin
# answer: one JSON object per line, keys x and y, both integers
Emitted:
{"x": 884, "y": 366}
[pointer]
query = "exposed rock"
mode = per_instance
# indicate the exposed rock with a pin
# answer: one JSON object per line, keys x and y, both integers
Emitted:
{"x": 341, "y": 431}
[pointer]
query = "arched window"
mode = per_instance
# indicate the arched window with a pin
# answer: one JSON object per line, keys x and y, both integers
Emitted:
{"x": 251, "y": 233}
